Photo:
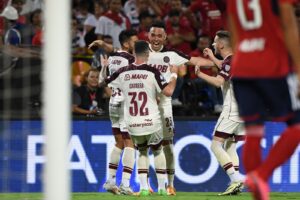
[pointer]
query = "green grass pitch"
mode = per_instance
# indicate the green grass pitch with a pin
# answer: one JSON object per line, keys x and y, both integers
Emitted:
{"x": 180, "y": 196}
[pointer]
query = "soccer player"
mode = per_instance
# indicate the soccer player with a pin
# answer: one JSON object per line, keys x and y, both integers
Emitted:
{"x": 140, "y": 84}
{"x": 124, "y": 143}
{"x": 161, "y": 58}
{"x": 229, "y": 128}
{"x": 266, "y": 73}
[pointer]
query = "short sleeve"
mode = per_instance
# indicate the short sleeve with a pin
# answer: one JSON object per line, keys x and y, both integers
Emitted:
{"x": 179, "y": 58}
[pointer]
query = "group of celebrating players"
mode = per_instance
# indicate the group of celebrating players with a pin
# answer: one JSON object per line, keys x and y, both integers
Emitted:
{"x": 264, "y": 39}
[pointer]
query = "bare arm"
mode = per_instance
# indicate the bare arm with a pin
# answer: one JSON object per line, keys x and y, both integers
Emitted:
{"x": 199, "y": 61}
{"x": 102, "y": 74}
{"x": 217, "y": 81}
{"x": 212, "y": 57}
{"x": 169, "y": 89}
{"x": 100, "y": 43}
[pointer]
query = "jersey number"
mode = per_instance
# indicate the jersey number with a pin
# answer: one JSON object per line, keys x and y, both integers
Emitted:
{"x": 133, "y": 109}
{"x": 254, "y": 6}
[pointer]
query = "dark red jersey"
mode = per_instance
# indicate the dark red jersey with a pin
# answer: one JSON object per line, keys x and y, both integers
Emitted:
{"x": 260, "y": 51}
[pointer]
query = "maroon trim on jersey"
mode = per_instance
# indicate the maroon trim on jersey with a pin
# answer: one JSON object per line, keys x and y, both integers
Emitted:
{"x": 165, "y": 49}
{"x": 125, "y": 55}
{"x": 225, "y": 71}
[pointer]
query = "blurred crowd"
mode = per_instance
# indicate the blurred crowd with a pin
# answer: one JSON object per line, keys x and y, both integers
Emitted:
{"x": 190, "y": 26}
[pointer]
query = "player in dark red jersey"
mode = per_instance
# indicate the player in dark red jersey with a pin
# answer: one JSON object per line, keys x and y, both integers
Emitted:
{"x": 265, "y": 37}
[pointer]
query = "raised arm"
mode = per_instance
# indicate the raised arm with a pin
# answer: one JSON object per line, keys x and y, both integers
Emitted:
{"x": 169, "y": 89}
{"x": 208, "y": 52}
{"x": 216, "y": 81}
{"x": 100, "y": 43}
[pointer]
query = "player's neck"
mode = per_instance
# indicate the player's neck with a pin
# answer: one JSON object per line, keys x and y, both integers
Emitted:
{"x": 139, "y": 61}
{"x": 226, "y": 53}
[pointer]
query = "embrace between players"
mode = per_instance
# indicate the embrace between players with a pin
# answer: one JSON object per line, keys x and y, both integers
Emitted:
{"x": 265, "y": 74}
{"x": 141, "y": 110}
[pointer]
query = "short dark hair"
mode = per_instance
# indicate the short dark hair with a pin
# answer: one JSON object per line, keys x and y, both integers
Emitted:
{"x": 223, "y": 35}
{"x": 125, "y": 35}
{"x": 141, "y": 47}
{"x": 158, "y": 24}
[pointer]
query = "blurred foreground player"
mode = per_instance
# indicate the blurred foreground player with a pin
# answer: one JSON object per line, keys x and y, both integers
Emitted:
{"x": 266, "y": 37}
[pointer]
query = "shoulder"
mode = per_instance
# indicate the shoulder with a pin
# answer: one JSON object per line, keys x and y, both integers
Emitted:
{"x": 173, "y": 51}
{"x": 124, "y": 55}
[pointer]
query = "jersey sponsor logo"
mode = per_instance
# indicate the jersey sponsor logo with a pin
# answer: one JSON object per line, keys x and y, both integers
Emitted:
{"x": 251, "y": 45}
{"x": 139, "y": 76}
{"x": 161, "y": 68}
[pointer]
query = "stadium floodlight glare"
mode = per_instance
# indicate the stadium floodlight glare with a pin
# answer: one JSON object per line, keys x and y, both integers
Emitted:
{"x": 57, "y": 99}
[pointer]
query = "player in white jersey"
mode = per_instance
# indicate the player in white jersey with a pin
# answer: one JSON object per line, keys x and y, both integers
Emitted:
{"x": 140, "y": 84}
{"x": 229, "y": 128}
{"x": 161, "y": 58}
{"x": 124, "y": 143}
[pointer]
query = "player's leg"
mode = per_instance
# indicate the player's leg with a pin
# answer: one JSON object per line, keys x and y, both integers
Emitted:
{"x": 142, "y": 163}
{"x": 159, "y": 161}
{"x": 115, "y": 155}
{"x": 251, "y": 107}
{"x": 128, "y": 160}
{"x": 286, "y": 107}
{"x": 168, "y": 147}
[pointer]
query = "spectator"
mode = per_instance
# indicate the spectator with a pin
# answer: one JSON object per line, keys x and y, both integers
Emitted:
{"x": 209, "y": 15}
{"x": 146, "y": 19}
{"x": 91, "y": 22}
{"x": 113, "y": 22}
{"x": 96, "y": 61}
{"x": 18, "y": 5}
{"x": 88, "y": 99}
{"x": 78, "y": 43}
{"x": 12, "y": 35}
{"x": 36, "y": 27}
{"x": 133, "y": 8}
{"x": 2, "y": 31}
{"x": 179, "y": 31}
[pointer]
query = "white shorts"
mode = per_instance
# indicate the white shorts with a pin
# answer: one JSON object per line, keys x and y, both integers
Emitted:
{"x": 166, "y": 114}
{"x": 116, "y": 115}
{"x": 144, "y": 141}
{"x": 226, "y": 128}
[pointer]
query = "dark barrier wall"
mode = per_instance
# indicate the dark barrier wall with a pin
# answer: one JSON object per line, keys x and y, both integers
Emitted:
{"x": 196, "y": 168}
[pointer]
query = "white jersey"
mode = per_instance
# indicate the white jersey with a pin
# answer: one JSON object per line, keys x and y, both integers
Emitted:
{"x": 107, "y": 26}
{"x": 230, "y": 107}
{"x": 116, "y": 61}
{"x": 140, "y": 85}
{"x": 162, "y": 59}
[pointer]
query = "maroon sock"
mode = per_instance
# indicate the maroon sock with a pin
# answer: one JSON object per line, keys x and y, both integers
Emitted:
{"x": 280, "y": 152}
{"x": 252, "y": 149}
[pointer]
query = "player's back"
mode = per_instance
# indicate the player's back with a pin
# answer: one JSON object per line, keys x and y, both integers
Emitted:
{"x": 140, "y": 85}
{"x": 116, "y": 61}
{"x": 260, "y": 49}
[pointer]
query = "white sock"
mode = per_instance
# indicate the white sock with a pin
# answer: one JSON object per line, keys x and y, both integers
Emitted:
{"x": 128, "y": 163}
{"x": 170, "y": 163}
{"x": 230, "y": 147}
{"x": 160, "y": 168}
{"x": 224, "y": 159}
{"x": 143, "y": 167}
{"x": 114, "y": 163}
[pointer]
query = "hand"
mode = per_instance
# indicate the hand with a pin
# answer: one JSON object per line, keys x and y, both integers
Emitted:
{"x": 97, "y": 43}
{"x": 174, "y": 69}
{"x": 103, "y": 60}
{"x": 208, "y": 52}
{"x": 197, "y": 69}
